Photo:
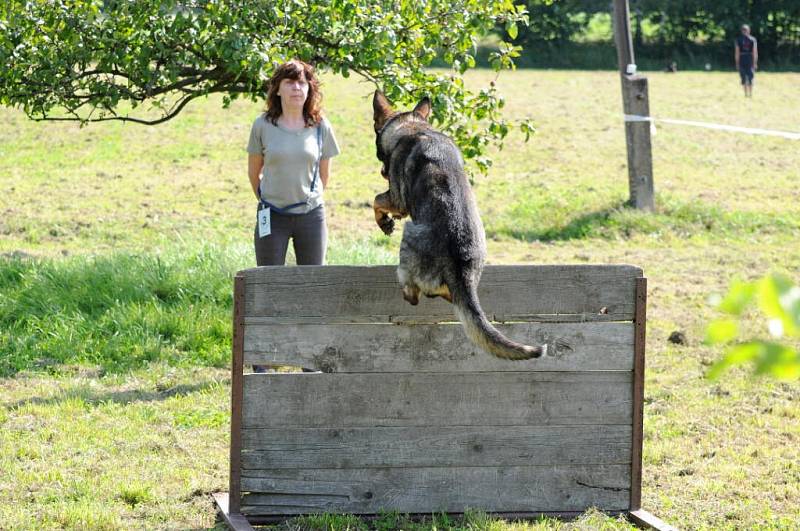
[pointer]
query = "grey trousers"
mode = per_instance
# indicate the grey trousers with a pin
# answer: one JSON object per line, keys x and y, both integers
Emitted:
{"x": 308, "y": 232}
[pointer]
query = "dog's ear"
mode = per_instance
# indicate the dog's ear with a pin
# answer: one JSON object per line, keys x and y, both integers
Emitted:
{"x": 423, "y": 108}
{"x": 382, "y": 109}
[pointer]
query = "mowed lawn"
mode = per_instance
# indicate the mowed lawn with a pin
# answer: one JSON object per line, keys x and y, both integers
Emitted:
{"x": 119, "y": 242}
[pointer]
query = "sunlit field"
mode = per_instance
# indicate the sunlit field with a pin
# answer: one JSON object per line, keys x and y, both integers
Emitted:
{"x": 119, "y": 243}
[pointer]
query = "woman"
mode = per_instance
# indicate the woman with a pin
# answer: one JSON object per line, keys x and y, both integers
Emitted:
{"x": 289, "y": 165}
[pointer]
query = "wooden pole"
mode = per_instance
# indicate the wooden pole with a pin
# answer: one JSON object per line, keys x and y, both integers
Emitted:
{"x": 634, "y": 103}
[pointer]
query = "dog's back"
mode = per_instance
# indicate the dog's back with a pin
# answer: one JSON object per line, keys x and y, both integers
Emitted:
{"x": 438, "y": 194}
{"x": 443, "y": 248}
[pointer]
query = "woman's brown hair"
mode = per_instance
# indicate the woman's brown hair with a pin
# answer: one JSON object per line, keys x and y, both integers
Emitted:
{"x": 312, "y": 112}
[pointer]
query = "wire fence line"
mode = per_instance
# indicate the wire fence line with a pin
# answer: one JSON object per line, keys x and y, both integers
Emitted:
{"x": 709, "y": 125}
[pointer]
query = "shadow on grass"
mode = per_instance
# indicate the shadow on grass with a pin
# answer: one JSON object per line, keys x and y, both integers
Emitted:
{"x": 89, "y": 395}
{"x": 583, "y": 226}
{"x": 673, "y": 215}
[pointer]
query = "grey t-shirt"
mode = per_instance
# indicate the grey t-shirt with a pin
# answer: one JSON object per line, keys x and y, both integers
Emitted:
{"x": 289, "y": 161}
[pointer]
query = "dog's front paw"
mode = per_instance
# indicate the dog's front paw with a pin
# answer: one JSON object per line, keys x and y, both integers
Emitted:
{"x": 386, "y": 224}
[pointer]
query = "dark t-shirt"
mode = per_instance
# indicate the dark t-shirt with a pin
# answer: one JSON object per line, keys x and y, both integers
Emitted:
{"x": 746, "y": 43}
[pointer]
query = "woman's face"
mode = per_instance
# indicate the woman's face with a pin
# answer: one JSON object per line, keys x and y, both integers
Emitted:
{"x": 293, "y": 92}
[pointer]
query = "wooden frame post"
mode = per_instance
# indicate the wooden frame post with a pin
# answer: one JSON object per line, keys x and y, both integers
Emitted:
{"x": 636, "y": 514}
{"x": 640, "y": 323}
{"x": 229, "y": 504}
{"x": 635, "y": 104}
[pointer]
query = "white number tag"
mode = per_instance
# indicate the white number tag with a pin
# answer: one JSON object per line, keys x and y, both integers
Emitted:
{"x": 263, "y": 223}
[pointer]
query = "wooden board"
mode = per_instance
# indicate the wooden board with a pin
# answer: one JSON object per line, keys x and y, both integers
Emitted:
{"x": 645, "y": 520}
{"x": 369, "y": 294}
{"x": 234, "y": 521}
{"x": 318, "y": 400}
{"x": 435, "y": 446}
{"x": 448, "y": 489}
{"x": 346, "y": 348}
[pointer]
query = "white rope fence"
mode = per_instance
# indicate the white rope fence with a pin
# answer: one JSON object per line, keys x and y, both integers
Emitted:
{"x": 708, "y": 125}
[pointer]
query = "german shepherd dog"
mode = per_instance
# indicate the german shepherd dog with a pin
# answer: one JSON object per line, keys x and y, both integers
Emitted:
{"x": 443, "y": 248}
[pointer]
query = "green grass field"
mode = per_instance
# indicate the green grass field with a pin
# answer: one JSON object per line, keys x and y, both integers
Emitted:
{"x": 119, "y": 243}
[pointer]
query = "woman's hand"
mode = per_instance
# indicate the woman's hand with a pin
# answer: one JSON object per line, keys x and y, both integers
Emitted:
{"x": 254, "y": 165}
{"x": 324, "y": 172}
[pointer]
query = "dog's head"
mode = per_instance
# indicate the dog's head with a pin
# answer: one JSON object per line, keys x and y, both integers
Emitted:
{"x": 387, "y": 122}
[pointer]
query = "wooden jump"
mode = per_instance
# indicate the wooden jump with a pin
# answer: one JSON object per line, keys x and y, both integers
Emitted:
{"x": 404, "y": 414}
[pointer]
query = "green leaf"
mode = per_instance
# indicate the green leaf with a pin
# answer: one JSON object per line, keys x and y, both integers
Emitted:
{"x": 738, "y": 297}
{"x": 780, "y": 300}
{"x": 721, "y": 331}
{"x": 781, "y": 361}
{"x": 737, "y": 355}
{"x": 511, "y": 29}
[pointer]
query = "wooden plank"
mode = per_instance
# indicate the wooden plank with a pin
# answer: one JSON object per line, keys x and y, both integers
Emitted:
{"x": 449, "y": 489}
{"x": 235, "y": 521}
{"x": 400, "y": 318}
{"x": 646, "y": 520}
{"x": 237, "y": 370}
{"x": 362, "y": 293}
{"x": 318, "y": 400}
{"x": 638, "y": 394}
{"x": 434, "y": 446}
{"x": 426, "y": 517}
{"x": 436, "y": 348}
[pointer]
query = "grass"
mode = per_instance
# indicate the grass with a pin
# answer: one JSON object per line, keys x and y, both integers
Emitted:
{"x": 119, "y": 242}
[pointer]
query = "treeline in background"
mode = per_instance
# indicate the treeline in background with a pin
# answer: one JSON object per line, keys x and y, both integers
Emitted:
{"x": 695, "y": 34}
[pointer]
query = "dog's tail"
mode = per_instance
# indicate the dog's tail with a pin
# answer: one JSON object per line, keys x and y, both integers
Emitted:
{"x": 478, "y": 328}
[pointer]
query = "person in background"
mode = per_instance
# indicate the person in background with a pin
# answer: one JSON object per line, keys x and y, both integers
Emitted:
{"x": 289, "y": 164}
{"x": 746, "y": 55}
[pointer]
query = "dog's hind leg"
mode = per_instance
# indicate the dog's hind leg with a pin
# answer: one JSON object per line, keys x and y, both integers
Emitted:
{"x": 420, "y": 268}
{"x": 410, "y": 288}
{"x": 445, "y": 294}
{"x": 411, "y": 294}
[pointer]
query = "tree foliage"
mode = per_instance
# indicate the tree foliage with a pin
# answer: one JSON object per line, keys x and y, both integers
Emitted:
{"x": 556, "y": 21}
{"x": 775, "y": 23}
{"x": 779, "y": 355}
{"x": 675, "y": 25}
{"x": 144, "y": 60}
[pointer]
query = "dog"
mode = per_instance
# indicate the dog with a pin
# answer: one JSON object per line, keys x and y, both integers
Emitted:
{"x": 443, "y": 249}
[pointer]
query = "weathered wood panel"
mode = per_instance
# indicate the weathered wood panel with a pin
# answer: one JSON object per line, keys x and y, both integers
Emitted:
{"x": 435, "y": 446}
{"x": 551, "y": 488}
{"x": 237, "y": 367}
{"x": 366, "y": 294}
{"x": 318, "y": 400}
{"x": 436, "y": 348}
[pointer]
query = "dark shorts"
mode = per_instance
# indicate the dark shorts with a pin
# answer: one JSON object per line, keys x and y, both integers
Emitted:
{"x": 308, "y": 232}
{"x": 746, "y": 71}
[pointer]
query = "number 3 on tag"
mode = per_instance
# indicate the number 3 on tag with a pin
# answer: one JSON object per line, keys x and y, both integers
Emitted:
{"x": 263, "y": 222}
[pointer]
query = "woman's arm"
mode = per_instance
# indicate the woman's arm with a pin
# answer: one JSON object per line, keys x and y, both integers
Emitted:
{"x": 324, "y": 171}
{"x": 254, "y": 165}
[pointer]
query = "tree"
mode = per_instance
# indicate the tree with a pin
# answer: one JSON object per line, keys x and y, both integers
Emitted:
{"x": 143, "y": 61}
{"x": 558, "y": 21}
